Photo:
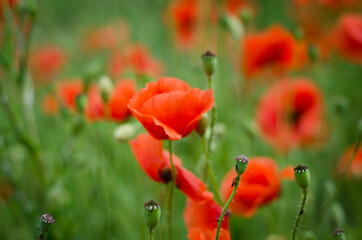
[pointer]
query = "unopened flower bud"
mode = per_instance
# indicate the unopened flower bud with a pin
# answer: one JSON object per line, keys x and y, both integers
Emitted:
{"x": 209, "y": 63}
{"x": 233, "y": 25}
{"x": 313, "y": 53}
{"x": 202, "y": 125}
{"x": 241, "y": 162}
{"x": 106, "y": 88}
{"x": 81, "y": 102}
{"x": 302, "y": 176}
{"x": 339, "y": 234}
{"x": 152, "y": 214}
{"x": 46, "y": 221}
{"x": 125, "y": 132}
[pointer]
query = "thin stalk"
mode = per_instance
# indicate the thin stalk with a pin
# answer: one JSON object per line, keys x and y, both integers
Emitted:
{"x": 163, "y": 233}
{"x": 237, "y": 181}
{"x": 212, "y": 123}
{"x": 208, "y": 170}
{"x": 300, "y": 213}
{"x": 172, "y": 186}
{"x": 150, "y": 234}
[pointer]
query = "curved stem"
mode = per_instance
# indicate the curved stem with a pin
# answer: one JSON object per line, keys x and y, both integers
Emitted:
{"x": 237, "y": 180}
{"x": 300, "y": 213}
{"x": 172, "y": 186}
{"x": 208, "y": 170}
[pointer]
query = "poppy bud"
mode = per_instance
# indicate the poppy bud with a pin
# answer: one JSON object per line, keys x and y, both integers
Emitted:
{"x": 241, "y": 164}
{"x": 106, "y": 87}
{"x": 46, "y": 221}
{"x": 81, "y": 102}
{"x": 302, "y": 176}
{"x": 202, "y": 125}
{"x": 125, "y": 132}
{"x": 232, "y": 25}
{"x": 339, "y": 234}
{"x": 152, "y": 214}
{"x": 209, "y": 62}
{"x": 313, "y": 53}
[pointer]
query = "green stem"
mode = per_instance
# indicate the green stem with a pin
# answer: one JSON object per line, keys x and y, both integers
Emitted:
{"x": 163, "y": 233}
{"x": 212, "y": 123}
{"x": 208, "y": 169}
{"x": 172, "y": 186}
{"x": 150, "y": 234}
{"x": 237, "y": 181}
{"x": 300, "y": 213}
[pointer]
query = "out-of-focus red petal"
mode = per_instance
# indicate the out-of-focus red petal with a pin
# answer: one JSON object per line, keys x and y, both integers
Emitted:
{"x": 119, "y": 99}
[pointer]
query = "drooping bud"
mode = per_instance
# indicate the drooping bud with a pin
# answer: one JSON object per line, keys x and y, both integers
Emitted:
{"x": 106, "y": 87}
{"x": 202, "y": 125}
{"x": 125, "y": 132}
{"x": 313, "y": 53}
{"x": 233, "y": 25}
{"x": 81, "y": 102}
{"x": 339, "y": 234}
{"x": 46, "y": 221}
{"x": 209, "y": 63}
{"x": 152, "y": 214}
{"x": 241, "y": 162}
{"x": 302, "y": 176}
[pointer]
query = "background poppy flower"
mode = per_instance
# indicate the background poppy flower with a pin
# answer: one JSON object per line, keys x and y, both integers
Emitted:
{"x": 259, "y": 185}
{"x": 45, "y": 62}
{"x": 68, "y": 90}
{"x": 272, "y": 48}
{"x": 169, "y": 108}
{"x": 354, "y": 169}
{"x": 201, "y": 218}
{"x": 348, "y": 37}
{"x": 121, "y": 94}
{"x": 155, "y": 162}
{"x": 290, "y": 114}
{"x": 94, "y": 109}
{"x": 50, "y": 105}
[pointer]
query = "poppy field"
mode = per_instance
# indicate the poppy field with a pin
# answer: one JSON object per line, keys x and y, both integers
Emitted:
{"x": 181, "y": 119}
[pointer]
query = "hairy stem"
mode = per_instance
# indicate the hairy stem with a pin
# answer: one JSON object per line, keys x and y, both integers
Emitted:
{"x": 300, "y": 213}
{"x": 237, "y": 181}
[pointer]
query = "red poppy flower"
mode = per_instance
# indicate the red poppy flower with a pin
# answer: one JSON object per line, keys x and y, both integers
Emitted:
{"x": 117, "y": 64}
{"x": 290, "y": 114}
{"x": 106, "y": 37}
{"x": 155, "y": 163}
{"x": 272, "y": 48}
{"x": 45, "y": 62}
{"x": 119, "y": 99}
{"x": 354, "y": 169}
{"x": 94, "y": 109}
{"x": 169, "y": 108}
{"x": 348, "y": 37}
{"x": 68, "y": 90}
{"x": 259, "y": 185}
{"x": 184, "y": 17}
{"x": 143, "y": 62}
{"x": 201, "y": 218}
{"x": 50, "y": 105}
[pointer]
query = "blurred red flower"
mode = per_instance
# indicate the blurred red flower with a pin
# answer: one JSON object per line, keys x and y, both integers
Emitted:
{"x": 354, "y": 169}
{"x": 348, "y": 37}
{"x": 50, "y": 105}
{"x": 119, "y": 99}
{"x": 117, "y": 64}
{"x": 68, "y": 90}
{"x": 259, "y": 185}
{"x": 143, "y": 62}
{"x": 46, "y": 62}
{"x": 290, "y": 114}
{"x": 94, "y": 109}
{"x": 184, "y": 15}
{"x": 169, "y": 108}
{"x": 106, "y": 37}
{"x": 155, "y": 162}
{"x": 201, "y": 218}
{"x": 273, "y": 48}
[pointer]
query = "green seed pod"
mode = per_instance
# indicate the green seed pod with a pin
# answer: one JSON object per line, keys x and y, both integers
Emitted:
{"x": 339, "y": 234}
{"x": 46, "y": 221}
{"x": 152, "y": 214}
{"x": 202, "y": 125}
{"x": 81, "y": 102}
{"x": 209, "y": 63}
{"x": 240, "y": 164}
{"x": 302, "y": 176}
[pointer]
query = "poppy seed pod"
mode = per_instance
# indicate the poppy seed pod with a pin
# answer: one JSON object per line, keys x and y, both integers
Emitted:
{"x": 302, "y": 176}
{"x": 339, "y": 234}
{"x": 209, "y": 63}
{"x": 46, "y": 221}
{"x": 240, "y": 164}
{"x": 152, "y": 214}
